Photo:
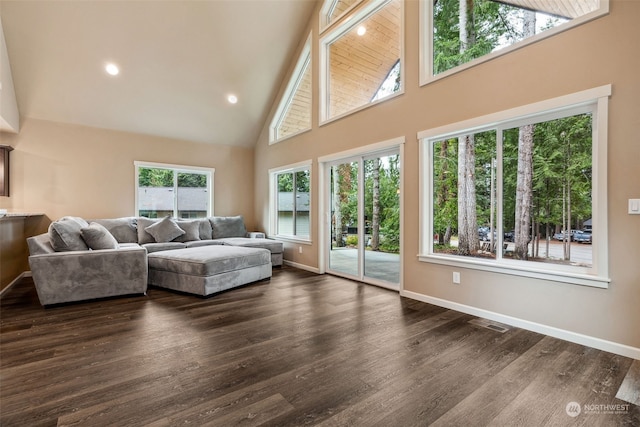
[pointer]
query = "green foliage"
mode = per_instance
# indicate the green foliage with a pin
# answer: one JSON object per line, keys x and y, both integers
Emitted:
{"x": 352, "y": 240}
{"x": 445, "y": 186}
{"x": 487, "y": 25}
{"x": 286, "y": 181}
{"x": 197, "y": 180}
{"x": 562, "y": 158}
{"x": 158, "y": 177}
{"x": 389, "y": 179}
{"x": 155, "y": 177}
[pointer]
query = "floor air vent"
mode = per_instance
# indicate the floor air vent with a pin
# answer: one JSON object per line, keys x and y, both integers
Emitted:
{"x": 490, "y": 324}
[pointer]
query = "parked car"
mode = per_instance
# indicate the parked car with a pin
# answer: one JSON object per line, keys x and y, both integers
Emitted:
{"x": 560, "y": 235}
{"x": 483, "y": 233}
{"x": 581, "y": 236}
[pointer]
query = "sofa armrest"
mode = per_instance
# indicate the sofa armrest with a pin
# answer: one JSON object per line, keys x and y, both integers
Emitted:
{"x": 81, "y": 275}
{"x": 256, "y": 235}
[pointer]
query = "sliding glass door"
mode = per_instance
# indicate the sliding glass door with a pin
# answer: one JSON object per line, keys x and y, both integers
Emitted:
{"x": 364, "y": 211}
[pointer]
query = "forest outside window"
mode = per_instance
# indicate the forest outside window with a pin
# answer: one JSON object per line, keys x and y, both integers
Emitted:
{"x": 172, "y": 190}
{"x": 457, "y": 33}
{"x": 361, "y": 59}
{"x": 293, "y": 115}
{"x": 527, "y": 195}
{"x": 291, "y": 202}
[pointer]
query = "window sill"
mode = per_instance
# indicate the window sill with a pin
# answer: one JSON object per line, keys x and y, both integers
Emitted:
{"x": 532, "y": 272}
{"x": 285, "y": 138}
{"x": 292, "y": 239}
{"x": 326, "y": 121}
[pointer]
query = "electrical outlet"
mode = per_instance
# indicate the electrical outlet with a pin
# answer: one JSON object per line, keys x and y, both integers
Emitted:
{"x": 456, "y": 277}
{"x": 299, "y": 249}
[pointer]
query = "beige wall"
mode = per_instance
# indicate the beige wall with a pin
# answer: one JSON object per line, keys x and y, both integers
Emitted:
{"x": 598, "y": 53}
{"x": 61, "y": 169}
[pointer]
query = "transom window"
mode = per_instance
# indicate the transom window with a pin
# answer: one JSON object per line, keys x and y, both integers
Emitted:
{"x": 455, "y": 33}
{"x": 172, "y": 190}
{"x": 293, "y": 115}
{"x": 291, "y": 201}
{"x": 522, "y": 191}
{"x": 361, "y": 59}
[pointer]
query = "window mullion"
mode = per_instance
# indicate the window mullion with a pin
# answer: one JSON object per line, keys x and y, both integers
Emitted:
{"x": 294, "y": 208}
{"x": 499, "y": 195}
{"x": 175, "y": 193}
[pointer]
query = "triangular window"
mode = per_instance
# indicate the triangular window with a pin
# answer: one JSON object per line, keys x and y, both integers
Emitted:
{"x": 294, "y": 112}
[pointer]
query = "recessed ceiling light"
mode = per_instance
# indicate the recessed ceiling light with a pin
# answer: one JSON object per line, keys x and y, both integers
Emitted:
{"x": 232, "y": 99}
{"x": 112, "y": 69}
{"x": 362, "y": 30}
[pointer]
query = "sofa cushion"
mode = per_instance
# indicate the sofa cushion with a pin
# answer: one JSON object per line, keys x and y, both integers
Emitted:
{"x": 64, "y": 234}
{"x": 227, "y": 226}
{"x": 205, "y": 229}
{"x": 143, "y": 236}
{"x": 123, "y": 229}
{"x": 274, "y": 246}
{"x": 198, "y": 243}
{"x": 208, "y": 260}
{"x": 164, "y": 230}
{"x": 97, "y": 237}
{"x": 191, "y": 230}
{"x": 157, "y": 247}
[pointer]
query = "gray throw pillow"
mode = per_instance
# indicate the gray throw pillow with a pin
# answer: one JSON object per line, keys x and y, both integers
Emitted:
{"x": 64, "y": 234}
{"x": 205, "y": 229}
{"x": 191, "y": 231}
{"x": 227, "y": 226}
{"x": 98, "y": 237}
{"x": 123, "y": 229}
{"x": 164, "y": 230}
{"x": 142, "y": 224}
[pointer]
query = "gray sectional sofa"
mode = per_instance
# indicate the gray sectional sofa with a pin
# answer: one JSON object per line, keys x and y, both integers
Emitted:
{"x": 80, "y": 260}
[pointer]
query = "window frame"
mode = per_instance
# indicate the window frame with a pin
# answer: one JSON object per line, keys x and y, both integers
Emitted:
{"x": 596, "y": 100}
{"x": 210, "y": 172}
{"x": 325, "y": 23}
{"x": 426, "y": 41}
{"x": 346, "y": 23}
{"x": 303, "y": 64}
{"x": 273, "y": 201}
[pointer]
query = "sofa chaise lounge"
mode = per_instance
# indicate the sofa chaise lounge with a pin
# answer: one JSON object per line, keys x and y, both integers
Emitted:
{"x": 80, "y": 260}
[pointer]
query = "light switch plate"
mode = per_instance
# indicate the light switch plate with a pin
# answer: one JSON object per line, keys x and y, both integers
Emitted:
{"x": 634, "y": 206}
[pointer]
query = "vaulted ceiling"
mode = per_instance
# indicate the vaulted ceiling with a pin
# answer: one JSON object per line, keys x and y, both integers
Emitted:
{"x": 178, "y": 62}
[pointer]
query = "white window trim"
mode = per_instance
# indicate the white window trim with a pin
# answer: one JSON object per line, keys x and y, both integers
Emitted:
{"x": 324, "y": 197}
{"x": 304, "y": 61}
{"x": 273, "y": 201}
{"x": 347, "y": 24}
{"x": 177, "y": 168}
{"x": 598, "y": 274}
{"x": 426, "y": 41}
{"x": 324, "y": 14}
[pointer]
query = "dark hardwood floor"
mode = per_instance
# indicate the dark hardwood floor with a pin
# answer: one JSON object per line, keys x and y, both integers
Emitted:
{"x": 300, "y": 349}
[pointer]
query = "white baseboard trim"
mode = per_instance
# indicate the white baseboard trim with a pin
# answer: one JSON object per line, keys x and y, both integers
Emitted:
{"x": 302, "y": 266}
{"x": 600, "y": 344}
{"x": 14, "y": 281}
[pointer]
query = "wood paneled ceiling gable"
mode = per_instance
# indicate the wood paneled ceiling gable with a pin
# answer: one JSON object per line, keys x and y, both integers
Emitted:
{"x": 359, "y": 64}
{"x": 298, "y": 115}
{"x": 569, "y": 9}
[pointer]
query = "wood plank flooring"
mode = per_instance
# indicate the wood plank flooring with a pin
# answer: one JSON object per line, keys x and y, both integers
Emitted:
{"x": 300, "y": 349}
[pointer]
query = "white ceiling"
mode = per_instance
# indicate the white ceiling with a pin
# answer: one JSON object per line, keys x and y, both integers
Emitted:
{"x": 178, "y": 61}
